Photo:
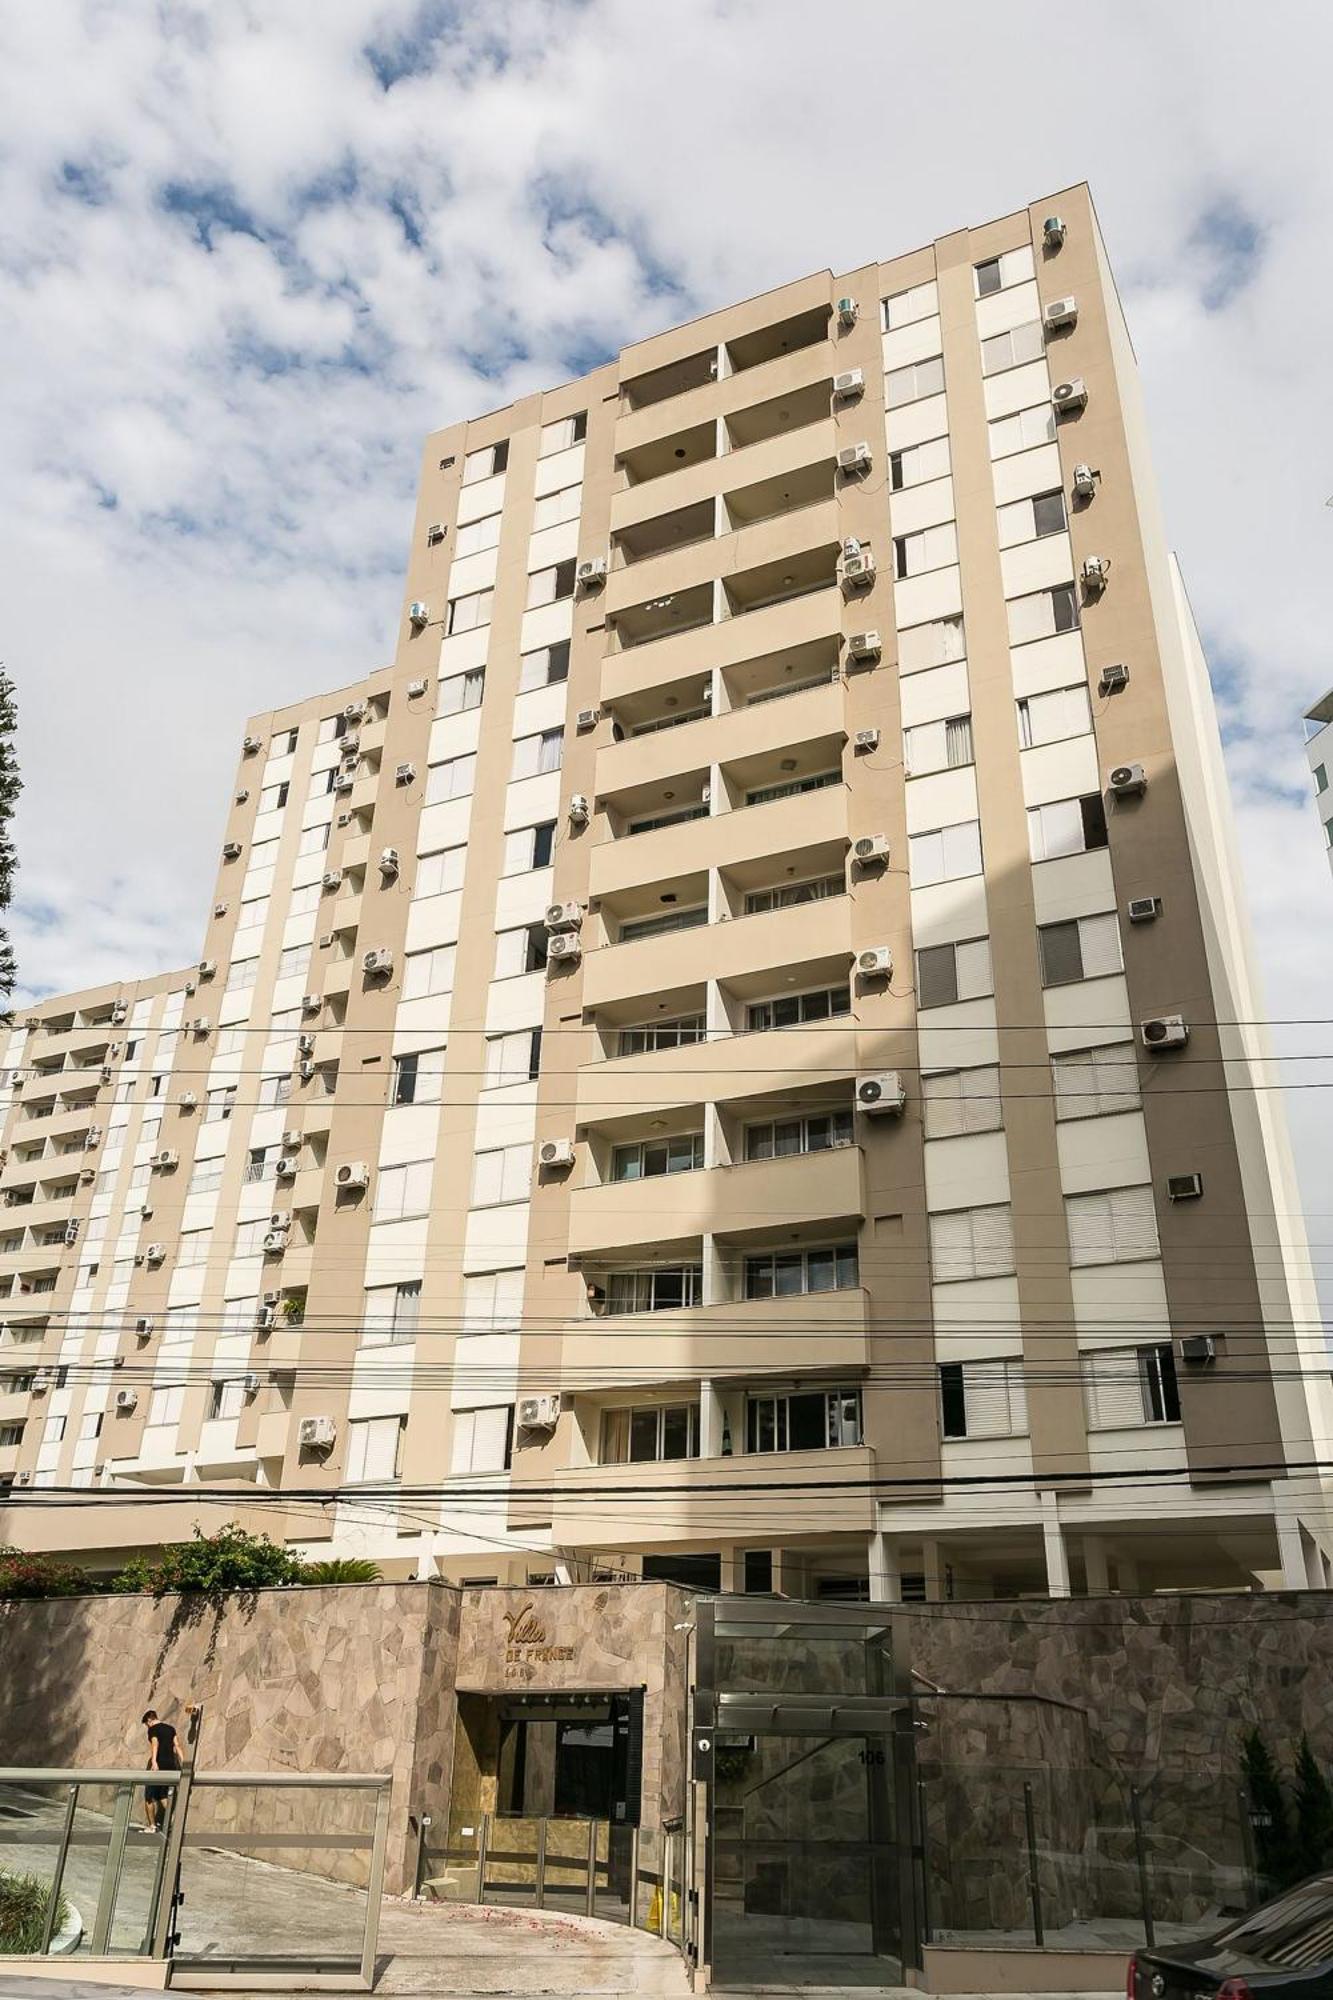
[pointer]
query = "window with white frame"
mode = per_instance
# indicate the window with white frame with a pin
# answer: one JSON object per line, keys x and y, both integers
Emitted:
{"x": 562, "y": 433}
{"x": 1079, "y": 948}
{"x": 1022, "y": 431}
{"x": 374, "y": 1449}
{"x": 218, "y": 1104}
{"x": 1042, "y": 614}
{"x": 550, "y": 509}
{"x": 650, "y": 1433}
{"x": 906, "y": 308}
{"x": 467, "y": 613}
{"x": 482, "y": 1440}
{"x": 937, "y": 746}
{"x": 441, "y": 873}
{"x": 918, "y": 463}
{"x": 958, "y": 1101}
{"x": 781, "y": 1138}
{"x": 314, "y": 839}
{"x": 293, "y": 960}
{"x": 501, "y": 1174}
{"x": 418, "y": 1076}
{"x": 486, "y": 462}
{"x": 166, "y": 1404}
{"x": 530, "y": 847}
{"x": 1054, "y": 717}
{"x": 249, "y": 1237}
{"x": 455, "y": 779}
{"x": 1032, "y": 519}
{"x": 513, "y": 1058}
{"x": 53, "y": 1430}
{"x": 780, "y": 1274}
{"x": 550, "y": 585}
{"x": 391, "y": 1314}
{"x": 665, "y": 1289}
{"x": 945, "y": 855}
{"x": 911, "y": 383}
{"x": 274, "y": 797}
{"x": 194, "y": 1246}
{"x": 929, "y": 548}
{"x": 404, "y": 1190}
{"x": 983, "y": 1399}
{"x": 803, "y": 1420}
{"x": 492, "y": 1301}
{"x": 934, "y": 644}
{"x": 520, "y": 950}
{"x": 972, "y": 1243}
{"x": 682, "y": 1031}
{"x": 304, "y": 899}
{"x": 790, "y": 895}
{"x": 536, "y": 754}
{"x": 471, "y": 537}
{"x": 428, "y": 972}
{"x": 790, "y": 1010}
{"x": 1012, "y": 349}
{"x": 251, "y": 915}
{"x": 1096, "y": 1082}
{"x": 226, "y": 1398}
{"x": 546, "y": 667}
{"x": 1115, "y": 1226}
{"x": 459, "y": 692}
{"x": 1129, "y": 1386}
{"x": 241, "y": 974}
{"x": 996, "y": 274}
{"x": 1067, "y": 826}
{"x": 645, "y": 1159}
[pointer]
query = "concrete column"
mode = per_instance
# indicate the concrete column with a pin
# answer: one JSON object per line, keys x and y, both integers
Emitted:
{"x": 886, "y": 1578}
{"x": 1097, "y": 1580}
{"x": 1127, "y": 1576}
{"x": 715, "y": 1147}
{"x": 719, "y": 799}
{"x": 933, "y": 1569}
{"x": 1291, "y": 1552}
{"x": 732, "y": 1573}
{"x": 1057, "y": 1556}
{"x": 710, "y": 1421}
{"x": 715, "y": 1274}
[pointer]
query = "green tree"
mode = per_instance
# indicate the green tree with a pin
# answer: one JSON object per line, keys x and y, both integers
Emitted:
{"x": 341, "y": 1569}
{"x": 209, "y": 1565}
{"x": 10, "y": 787}
{"x": 1268, "y": 1812}
{"x": 1314, "y": 1813}
{"x": 23, "y": 1574}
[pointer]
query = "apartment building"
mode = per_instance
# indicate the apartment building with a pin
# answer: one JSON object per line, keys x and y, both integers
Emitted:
{"x": 733, "y": 1057}
{"x": 1319, "y": 752}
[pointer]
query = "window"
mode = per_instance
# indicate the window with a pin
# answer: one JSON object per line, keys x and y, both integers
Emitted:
{"x": 218, "y": 1104}
{"x": 206, "y": 1177}
{"x": 484, "y": 464}
{"x": 788, "y": 1010}
{"x": 392, "y": 1313}
{"x": 544, "y": 668}
{"x": 472, "y": 537}
{"x": 404, "y": 1190}
{"x": 998, "y": 273}
{"x": 931, "y": 548}
{"x": 535, "y": 754}
{"x": 293, "y": 961}
{"x": 259, "y": 1164}
{"x": 945, "y": 855}
{"x": 805, "y": 1420}
{"x": 90, "y": 1428}
{"x": 638, "y": 1437}
{"x": 1129, "y": 1386}
{"x": 1022, "y": 431}
{"x": 1054, "y": 717}
{"x": 1320, "y": 778}
{"x": 314, "y": 839}
{"x": 931, "y": 645}
{"x": 780, "y": 1138}
{"x": 983, "y": 1399}
{"x": 781, "y": 1274}
{"x": 275, "y": 1090}
{"x": 530, "y": 847}
{"x": 252, "y": 914}
{"x": 249, "y": 1238}
{"x": 987, "y": 277}
{"x": 817, "y": 781}
{"x": 937, "y": 746}
{"x": 1012, "y": 349}
{"x": 165, "y": 1405}
{"x": 645, "y": 1159}
{"x": 502, "y": 1174}
{"x": 519, "y": 951}
{"x": 1096, "y": 1083}
{"x": 194, "y": 1245}
{"x": 226, "y": 1399}
{"x": 454, "y": 780}
{"x": 906, "y": 308}
{"x": 655, "y": 1291}
{"x": 675, "y": 818}
{"x": 492, "y": 1302}
{"x": 972, "y": 1243}
{"x": 418, "y": 1077}
{"x": 460, "y": 692}
{"x": 513, "y": 1058}
{"x": 465, "y": 614}
{"x": 10, "y": 1435}
{"x": 549, "y": 586}
{"x": 428, "y": 972}
{"x": 1082, "y": 948}
{"x": 550, "y": 509}
{"x": 786, "y": 895}
{"x": 482, "y": 1439}
{"x": 1042, "y": 614}
{"x": 1068, "y": 826}
{"x": 274, "y": 797}
{"x": 282, "y": 743}
{"x": 671, "y": 920}
{"x": 53, "y": 1430}
{"x": 1118, "y": 1226}
{"x": 919, "y": 463}
{"x": 441, "y": 873}
{"x": 374, "y": 1448}
{"x": 565, "y": 431}
{"x": 681, "y": 1033}
{"x": 957, "y": 1101}
{"x": 910, "y": 384}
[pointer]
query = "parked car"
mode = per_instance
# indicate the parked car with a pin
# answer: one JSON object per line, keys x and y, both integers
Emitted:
{"x": 1285, "y": 1947}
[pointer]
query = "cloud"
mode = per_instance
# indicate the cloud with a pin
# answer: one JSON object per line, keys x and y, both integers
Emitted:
{"x": 250, "y": 256}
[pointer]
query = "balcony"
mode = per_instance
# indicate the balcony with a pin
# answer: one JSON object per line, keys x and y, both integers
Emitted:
{"x": 749, "y": 1338}
{"x": 783, "y": 627}
{"x": 783, "y": 436}
{"x": 587, "y": 1498}
{"x": 675, "y": 378}
{"x": 768, "y": 560}
{"x": 756, "y": 367}
{"x": 803, "y": 1189}
{"x": 746, "y": 949}
{"x": 707, "y": 1072}
{"x": 743, "y": 839}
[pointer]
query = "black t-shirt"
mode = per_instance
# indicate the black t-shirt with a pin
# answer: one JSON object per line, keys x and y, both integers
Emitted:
{"x": 168, "y": 1754}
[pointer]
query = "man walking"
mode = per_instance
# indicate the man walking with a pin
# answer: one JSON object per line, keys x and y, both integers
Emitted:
{"x": 163, "y": 1755}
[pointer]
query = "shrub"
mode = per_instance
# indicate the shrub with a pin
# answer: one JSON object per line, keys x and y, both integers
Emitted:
{"x": 23, "y": 1574}
{"x": 208, "y": 1565}
{"x": 23, "y": 1900}
{"x": 341, "y": 1569}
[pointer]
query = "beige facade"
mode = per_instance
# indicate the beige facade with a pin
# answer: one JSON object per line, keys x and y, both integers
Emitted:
{"x": 736, "y": 826}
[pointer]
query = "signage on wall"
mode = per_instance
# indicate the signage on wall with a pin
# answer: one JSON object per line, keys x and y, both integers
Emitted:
{"x": 527, "y": 1646}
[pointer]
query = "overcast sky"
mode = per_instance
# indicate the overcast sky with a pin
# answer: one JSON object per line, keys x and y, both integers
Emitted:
{"x": 252, "y": 250}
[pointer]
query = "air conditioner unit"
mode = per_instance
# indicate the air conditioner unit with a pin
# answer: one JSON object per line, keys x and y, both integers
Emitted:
{"x": 219, "y": 909}
{"x": 280, "y": 1219}
{"x": 418, "y": 615}
{"x": 127, "y": 1399}
{"x": 353, "y": 711}
{"x": 207, "y": 968}
{"x": 349, "y": 747}
{"x": 1071, "y": 395}
{"x": 579, "y": 809}
{"x": 378, "y": 963}
{"x": 156, "y": 1253}
{"x": 305, "y": 1045}
{"x": 564, "y": 916}
{"x": 851, "y": 382}
{"x": 556, "y": 1153}
{"x": 273, "y": 1299}
{"x": 435, "y": 533}
{"x": 1061, "y": 312}
{"x": 332, "y": 878}
{"x": 291, "y": 1139}
{"x": 242, "y": 795}
{"x": 388, "y": 863}
{"x": 1184, "y": 1187}
{"x": 168, "y": 1157}
{"x": 587, "y": 718}
{"x": 119, "y": 1015}
{"x": 857, "y": 572}
{"x": 847, "y": 311}
{"x": 416, "y": 688}
{"x": 316, "y": 1434}
{"x": 265, "y": 1318}
{"x": 286, "y": 1170}
{"x": 564, "y": 949}
{"x": 404, "y": 774}
{"x": 232, "y": 850}
{"x": 87, "y": 1175}
{"x": 250, "y": 745}
{"x": 870, "y": 847}
{"x": 311, "y": 1003}
{"x": 538, "y": 1413}
{"x": 106, "y": 1072}
{"x": 200, "y": 1025}
{"x": 143, "y": 1326}
{"x": 864, "y": 646}
{"x": 1142, "y": 909}
{"x": 880, "y": 1094}
{"x": 1167, "y": 1031}
{"x": 1083, "y": 482}
{"x": 1113, "y": 678}
{"x": 189, "y": 1100}
{"x": 1198, "y": 1349}
{"x": 344, "y": 781}
{"x": 866, "y": 739}
{"x": 275, "y": 1242}
{"x": 71, "y": 1232}
{"x": 854, "y": 457}
{"x": 352, "y": 1174}
{"x": 1128, "y": 781}
{"x": 92, "y": 1137}
{"x": 1053, "y": 232}
{"x": 1095, "y": 572}
{"x": 875, "y": 962}
{"x": 591, "y": 575}
{"x": 305, "y": 1069}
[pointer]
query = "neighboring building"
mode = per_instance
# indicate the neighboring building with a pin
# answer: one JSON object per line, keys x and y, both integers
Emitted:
{"x": 691, "y": 1059}
{"x": 1319, "y": 750}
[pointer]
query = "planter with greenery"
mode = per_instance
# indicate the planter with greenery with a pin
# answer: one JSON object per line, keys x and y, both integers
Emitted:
{"x": 23, "y": 1900}
{"x": 341, "y": 1569}
{"x": 23, "y": 1574}
{"x": 211, "y": 1565}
